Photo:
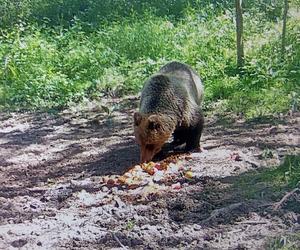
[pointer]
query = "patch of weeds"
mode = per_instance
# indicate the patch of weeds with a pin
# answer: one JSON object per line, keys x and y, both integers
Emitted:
{"x": 272, "y": 183}
{"x": 109, "y": 110}
{"x": 267, "y": 119}
{"x": 284, "y": 242}
{"x": 267, "y": 154}
{"x": 225, "y": 120}
{"x": 130, "y": 224}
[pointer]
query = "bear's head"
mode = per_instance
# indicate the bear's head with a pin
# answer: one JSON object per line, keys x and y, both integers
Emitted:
{"x": 151, "y": 132}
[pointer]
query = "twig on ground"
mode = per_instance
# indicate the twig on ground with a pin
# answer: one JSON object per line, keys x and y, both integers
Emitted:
{"x": 117, "y": 240}
{"x": 113, "y": 234}
{"x": 278, "y": 204}
{"x": 222, "y": 212}
{"x": 252, "y": 222}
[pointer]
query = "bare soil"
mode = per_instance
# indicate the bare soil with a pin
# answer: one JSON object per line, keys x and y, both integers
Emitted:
{"x": 52, "y": 193}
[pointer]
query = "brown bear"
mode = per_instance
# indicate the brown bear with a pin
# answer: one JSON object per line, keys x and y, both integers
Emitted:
{"x": 170, "y": 105}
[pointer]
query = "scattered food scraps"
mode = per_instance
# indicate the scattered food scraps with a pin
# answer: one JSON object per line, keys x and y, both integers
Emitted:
{"x": 145, "y": 174}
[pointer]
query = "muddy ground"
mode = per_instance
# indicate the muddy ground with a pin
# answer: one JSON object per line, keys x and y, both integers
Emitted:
{"x": 52, "y": 193}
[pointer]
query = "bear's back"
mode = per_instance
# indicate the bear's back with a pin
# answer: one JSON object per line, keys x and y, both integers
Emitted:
{"x": 189, "y": 77}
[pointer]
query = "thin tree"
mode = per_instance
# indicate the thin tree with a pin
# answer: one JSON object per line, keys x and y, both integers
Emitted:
{"x": 285, "y": 11}
{"x": 239, "y": 34}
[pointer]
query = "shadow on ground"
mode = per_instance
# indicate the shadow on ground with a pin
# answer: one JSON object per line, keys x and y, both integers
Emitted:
{"x": 52, "y": 164}
{"x": 224, "y": 201}
{"x": 38, "y": 147}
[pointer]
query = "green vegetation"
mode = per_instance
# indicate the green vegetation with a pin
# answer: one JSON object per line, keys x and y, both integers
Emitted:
{"x": 285, "y": 242}
{"x": 272, "y": 183}
{"x": 58, "y": 52}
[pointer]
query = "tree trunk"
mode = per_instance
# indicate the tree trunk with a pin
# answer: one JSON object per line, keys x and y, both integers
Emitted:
{"x": 285, "y": 11}
{"x": 239, "y": 34}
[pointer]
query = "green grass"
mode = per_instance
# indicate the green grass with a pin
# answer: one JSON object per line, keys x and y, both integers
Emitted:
{"x": 285, "y": 242}
{"x": 271, "y": 183}
{"x": 48, "y": 65}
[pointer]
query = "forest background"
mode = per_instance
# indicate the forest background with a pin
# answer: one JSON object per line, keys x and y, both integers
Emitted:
{"x": 57, "y": 53}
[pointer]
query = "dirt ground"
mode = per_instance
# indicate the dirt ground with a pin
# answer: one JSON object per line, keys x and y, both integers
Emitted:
{"x": 52, "y": 193}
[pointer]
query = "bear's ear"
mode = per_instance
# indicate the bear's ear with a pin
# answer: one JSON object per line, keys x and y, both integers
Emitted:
{"x": 137, "y": 118}
{"x": 154, "y": 122}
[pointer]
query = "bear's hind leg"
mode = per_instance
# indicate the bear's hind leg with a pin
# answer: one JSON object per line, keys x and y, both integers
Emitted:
{"x": 194, "y": 133}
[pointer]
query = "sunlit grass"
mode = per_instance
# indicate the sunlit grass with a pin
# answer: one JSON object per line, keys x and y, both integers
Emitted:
{"x": 271, "y": 183}
{"x": 50, "y": 67}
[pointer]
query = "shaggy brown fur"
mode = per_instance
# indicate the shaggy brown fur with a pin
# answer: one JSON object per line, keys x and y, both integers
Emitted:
{"x": 170, "y": 105}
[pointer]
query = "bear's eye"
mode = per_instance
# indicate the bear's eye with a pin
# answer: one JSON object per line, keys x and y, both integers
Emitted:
{"x": 153, "y": 125}
{"x": 150, "y": 146}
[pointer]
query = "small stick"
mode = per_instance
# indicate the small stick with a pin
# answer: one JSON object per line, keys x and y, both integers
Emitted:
{"x": 224, "y": 211}
{"x": 252, "y": 222}
{"x": 114, "y": 236}
{"x": 278, "y": 204}
{"x": 117, "y": 240}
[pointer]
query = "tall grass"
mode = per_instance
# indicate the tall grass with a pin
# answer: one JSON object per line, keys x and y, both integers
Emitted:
{"x": 48, "y": 67}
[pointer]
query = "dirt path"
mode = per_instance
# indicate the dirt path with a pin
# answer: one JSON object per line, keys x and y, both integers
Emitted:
{"x": 52, "y": 194}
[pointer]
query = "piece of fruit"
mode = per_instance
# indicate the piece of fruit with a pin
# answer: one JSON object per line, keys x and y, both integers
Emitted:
{"x": 149, "y": 167}
{"x": 176, "y": 185}
{"x": 159, "y": 166}
{"x": 159, "y": 175}
{"x": 188, "y": 174}
{"x": 110, "y": 182}
{"x": 122, "y": 179}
